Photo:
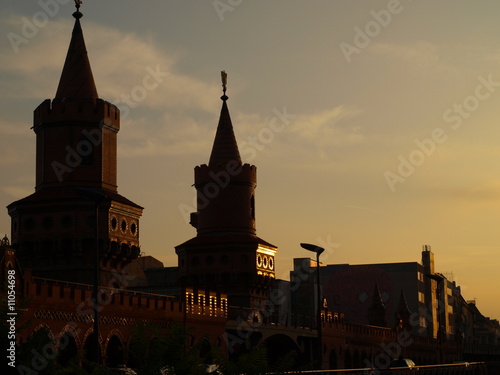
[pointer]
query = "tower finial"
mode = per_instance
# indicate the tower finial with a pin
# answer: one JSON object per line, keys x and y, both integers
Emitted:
{"x": 78, "y": 14}
{"x": 223, "y": 76}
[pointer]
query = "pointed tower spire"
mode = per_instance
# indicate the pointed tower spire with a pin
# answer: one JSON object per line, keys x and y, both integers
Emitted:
{"x": 225, "y": 148}
{"x": 77, "y": 81}
{"x": 376, "y": 312}
{"x": 403, "y": 304}
{"x": 403, "y": 313}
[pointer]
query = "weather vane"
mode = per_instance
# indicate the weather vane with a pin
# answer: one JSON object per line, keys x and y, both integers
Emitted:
{"x": 78, "y": 3}
{"x": 223, "y": 76}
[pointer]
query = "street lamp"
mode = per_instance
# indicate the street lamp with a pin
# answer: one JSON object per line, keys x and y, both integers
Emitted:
{"x": 318, "y": 250}
{"x": 97, "y": 198}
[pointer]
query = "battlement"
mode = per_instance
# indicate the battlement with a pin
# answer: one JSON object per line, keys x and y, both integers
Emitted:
{"x": 57, "y": 295}
{"x": 245, "y": 173}
{"x": 67, "y": 110}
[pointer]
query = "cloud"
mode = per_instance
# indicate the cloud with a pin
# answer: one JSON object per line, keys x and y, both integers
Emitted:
{"x": 176, "y": 135}
{"x": 10, "y": 129}
{"x": 324, "y": 129}
{"x": 124, "y": 65}
{"x": 120, "y": 62}
{"x": 486, "y": 193}
{"x": 420, "y": 58}
{"x": 421, "y": 53}
{"x": 16, "y": 191}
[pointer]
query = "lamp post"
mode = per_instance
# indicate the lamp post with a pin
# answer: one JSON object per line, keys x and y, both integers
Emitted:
{"x": 318, "y": 250}
{"x": 97, "y": 198}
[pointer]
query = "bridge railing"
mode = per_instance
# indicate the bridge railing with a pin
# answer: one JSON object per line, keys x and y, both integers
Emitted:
{"x": 277, "y": 318}
{"x": 473, "y": 368}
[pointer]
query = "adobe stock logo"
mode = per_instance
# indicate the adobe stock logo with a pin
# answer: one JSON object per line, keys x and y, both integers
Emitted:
{"x": 30, "y": 28}
{"x": 224, "y": 6}
{"x": 139, "y": 93}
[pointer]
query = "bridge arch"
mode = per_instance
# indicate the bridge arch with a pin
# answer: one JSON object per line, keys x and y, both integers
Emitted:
{"x": 43, "y": 326}
{"x": 333, "y": 362}
{"x": 356, "y": 363}
{"x": 347, "y": 359}
{"x": 88, "y": 346}
{"x": 68, "y": 345}
{"x": 115, "y": 349}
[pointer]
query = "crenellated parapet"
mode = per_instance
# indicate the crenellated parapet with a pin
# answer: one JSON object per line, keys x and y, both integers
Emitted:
{"x": 56, "y": 300}
{"x": 232, "y": 172}
{"x": 70, "y": 111}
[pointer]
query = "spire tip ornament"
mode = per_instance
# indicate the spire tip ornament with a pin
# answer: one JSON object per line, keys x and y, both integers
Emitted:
{"x": 223, "y": 76}
{"x": 78, "y": 14}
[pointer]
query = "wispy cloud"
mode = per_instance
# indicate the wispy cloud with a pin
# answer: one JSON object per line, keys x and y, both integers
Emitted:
{"x": 325, "y": 128}
{"x": 17, "y": 192}
{"x": 176, "y": 135}
{"x": 119, "y": 62}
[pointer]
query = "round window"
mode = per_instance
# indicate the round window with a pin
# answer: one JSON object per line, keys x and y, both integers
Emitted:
{"x": 114, "y": 223}
{"x": 124, "y": 225}
{"x": 133, "y": 228}
{"x": 259, "y": 261}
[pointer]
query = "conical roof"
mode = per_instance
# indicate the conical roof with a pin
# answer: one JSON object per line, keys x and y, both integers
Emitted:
{"x": 377, "y": 299}
{"x": 77, "y": 81}
{"x": 225, "y": 148}
{"x": 403, "y": 304}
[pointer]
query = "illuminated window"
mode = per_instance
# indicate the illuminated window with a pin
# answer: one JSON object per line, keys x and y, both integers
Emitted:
{"x": 189, "y": 301}
{"x": 224, "y": 306}
{"x": 421, "y": 297}
{"x": 213, "y": 306}
{"x": 201, "y": 303}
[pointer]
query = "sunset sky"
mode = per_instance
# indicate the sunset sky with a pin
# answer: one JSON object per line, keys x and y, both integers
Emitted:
{"x": 374, "y": 125}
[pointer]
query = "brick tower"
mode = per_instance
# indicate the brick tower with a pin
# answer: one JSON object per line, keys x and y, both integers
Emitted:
{"x": 76, "y": 200}
{"x": 226, "y": 255}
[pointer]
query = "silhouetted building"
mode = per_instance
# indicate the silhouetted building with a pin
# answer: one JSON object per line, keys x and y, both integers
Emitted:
{"x": 76, "y": 199}
{"x": 380, "y": 294}
{"x": 226, "y": 254}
